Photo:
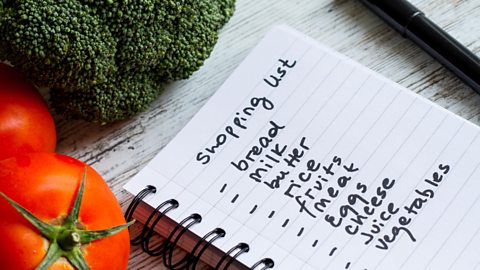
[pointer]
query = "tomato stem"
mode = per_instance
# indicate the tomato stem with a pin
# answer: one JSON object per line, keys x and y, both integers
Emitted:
{"x": 66, "y": 239}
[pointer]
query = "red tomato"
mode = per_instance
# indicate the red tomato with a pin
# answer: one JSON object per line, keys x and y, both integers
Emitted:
{"x": 26, "y": 124}
{"x": 46, "y": 184}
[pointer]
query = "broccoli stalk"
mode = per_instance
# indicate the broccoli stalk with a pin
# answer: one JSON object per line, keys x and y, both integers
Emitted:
{"x": 107, "y": 60}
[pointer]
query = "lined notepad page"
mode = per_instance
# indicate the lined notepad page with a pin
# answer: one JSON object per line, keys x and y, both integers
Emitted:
{"x": 320, "y": 163}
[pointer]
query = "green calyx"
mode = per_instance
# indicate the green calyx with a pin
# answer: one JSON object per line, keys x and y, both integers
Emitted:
{"x": 66, "y": 240}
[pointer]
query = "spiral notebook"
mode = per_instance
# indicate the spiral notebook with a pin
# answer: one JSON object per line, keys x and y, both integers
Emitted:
{"x": 304, "y": 159}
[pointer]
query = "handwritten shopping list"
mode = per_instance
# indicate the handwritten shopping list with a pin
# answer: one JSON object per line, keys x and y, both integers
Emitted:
{"x": 319, "y": 163}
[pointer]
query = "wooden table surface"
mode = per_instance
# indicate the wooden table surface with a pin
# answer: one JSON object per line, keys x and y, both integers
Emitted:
{"x": 118, "y": 151}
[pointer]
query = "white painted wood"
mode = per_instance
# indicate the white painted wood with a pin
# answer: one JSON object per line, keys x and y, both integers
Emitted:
{"x": 120, "y": 150}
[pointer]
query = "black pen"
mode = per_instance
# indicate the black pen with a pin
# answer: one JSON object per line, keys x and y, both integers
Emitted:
{"x": 413, "y": 24}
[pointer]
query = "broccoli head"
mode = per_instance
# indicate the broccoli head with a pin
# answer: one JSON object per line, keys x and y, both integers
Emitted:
{"x": 106, "y": 60}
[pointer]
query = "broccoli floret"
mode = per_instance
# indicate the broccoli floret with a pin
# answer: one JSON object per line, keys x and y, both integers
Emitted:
{"x": 107, "y": 60}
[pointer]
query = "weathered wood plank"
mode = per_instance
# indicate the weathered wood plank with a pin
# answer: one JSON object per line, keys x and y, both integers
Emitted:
{"x": 120, "y": 150}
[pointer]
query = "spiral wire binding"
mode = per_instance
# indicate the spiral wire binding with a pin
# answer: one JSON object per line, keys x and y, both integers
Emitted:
{"x": 267, "y": 263}
{"x": 215, "y": 234}
{"x": 148, "y": 231}
{"x": 167, "y": 247}
{"x": 168, "y": 254}
{"x": 239, "y": 249}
